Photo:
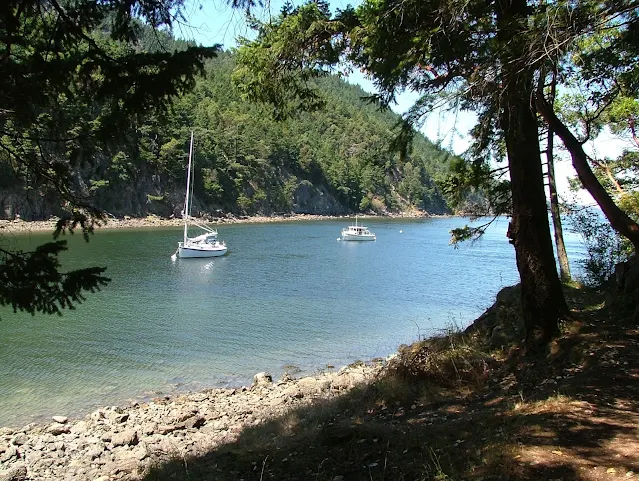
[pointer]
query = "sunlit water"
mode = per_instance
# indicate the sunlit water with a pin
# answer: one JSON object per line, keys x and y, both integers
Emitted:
{"x": 287, "y": 296}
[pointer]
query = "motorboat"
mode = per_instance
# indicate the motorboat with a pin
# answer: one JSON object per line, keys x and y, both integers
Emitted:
{"x": 357, "y": 233}
{"x": 203, "y": 245}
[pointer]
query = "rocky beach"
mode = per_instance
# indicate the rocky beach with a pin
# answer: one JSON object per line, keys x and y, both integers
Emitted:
{"x": 123, "y": 442}
{"x": 21, "y": 226}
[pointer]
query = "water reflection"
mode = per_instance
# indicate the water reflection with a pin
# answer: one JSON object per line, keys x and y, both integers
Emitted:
{"x": 288, "y": 294}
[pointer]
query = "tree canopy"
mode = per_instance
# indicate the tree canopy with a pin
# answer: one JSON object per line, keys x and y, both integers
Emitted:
{"x": 490, "y": 58}
{"x": 95, "y": 114}
{"x": 72, "y": 76}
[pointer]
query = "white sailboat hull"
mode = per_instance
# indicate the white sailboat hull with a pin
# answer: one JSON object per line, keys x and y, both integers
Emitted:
{"x": 213, "y": 251}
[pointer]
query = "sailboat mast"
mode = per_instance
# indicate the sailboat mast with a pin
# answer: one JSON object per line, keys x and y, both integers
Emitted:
{"x": 187, "y": 207}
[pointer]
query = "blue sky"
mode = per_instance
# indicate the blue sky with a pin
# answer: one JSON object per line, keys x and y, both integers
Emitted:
{"x": 213, "y": 21}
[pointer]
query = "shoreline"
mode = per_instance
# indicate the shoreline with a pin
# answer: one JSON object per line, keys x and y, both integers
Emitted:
{"x": 20, "y": 226}
{"x": 124, "y": 442}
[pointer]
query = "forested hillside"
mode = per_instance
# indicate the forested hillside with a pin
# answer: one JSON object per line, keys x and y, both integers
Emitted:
{"x": 334, "y": 161}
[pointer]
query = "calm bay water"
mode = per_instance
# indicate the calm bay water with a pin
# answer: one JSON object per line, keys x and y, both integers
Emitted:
{"x": 287, "y": 295}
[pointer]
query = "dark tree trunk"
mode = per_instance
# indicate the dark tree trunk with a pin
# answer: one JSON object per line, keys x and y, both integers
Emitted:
{"x": 543, "y": 301}
{"x": 619, "y": 220}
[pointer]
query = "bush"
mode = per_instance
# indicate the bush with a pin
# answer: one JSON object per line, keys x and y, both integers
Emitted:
{"x": 448, "y": 361}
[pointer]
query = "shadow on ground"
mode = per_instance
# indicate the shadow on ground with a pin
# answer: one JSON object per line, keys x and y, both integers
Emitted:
{"x": 569, "y": 414}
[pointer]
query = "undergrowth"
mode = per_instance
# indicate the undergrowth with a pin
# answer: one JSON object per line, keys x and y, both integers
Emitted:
{"x": 453, "y": 407}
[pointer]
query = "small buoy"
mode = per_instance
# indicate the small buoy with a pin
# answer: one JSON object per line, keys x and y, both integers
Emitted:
{"x": 401, "y": 231}
{"x": 339, "y": 238}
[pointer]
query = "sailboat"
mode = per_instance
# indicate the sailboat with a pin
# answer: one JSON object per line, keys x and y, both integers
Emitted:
{"x": 203, "y": 245}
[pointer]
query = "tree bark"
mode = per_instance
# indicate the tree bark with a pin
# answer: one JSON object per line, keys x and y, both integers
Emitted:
{"x": 562, "y": 255}
{"x": 543, "y": 301}
{"x": 619, "y": 220}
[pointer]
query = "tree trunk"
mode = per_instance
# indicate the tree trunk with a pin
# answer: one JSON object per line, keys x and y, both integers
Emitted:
{"x": 543, "y": 301}
{"x": 562, "y": 255}
{"x": 619, "y": 220}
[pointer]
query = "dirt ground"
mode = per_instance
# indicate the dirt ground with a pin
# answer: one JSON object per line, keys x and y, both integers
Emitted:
{"x": 569, "y": 413}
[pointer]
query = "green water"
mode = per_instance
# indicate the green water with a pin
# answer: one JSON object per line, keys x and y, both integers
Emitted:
{"x": 286, "y": 294}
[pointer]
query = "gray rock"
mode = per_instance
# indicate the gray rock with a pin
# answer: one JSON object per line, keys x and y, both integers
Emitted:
{"x": 16, "y": 473}
{"x": 219, "y": 425}
{"x": 119, "y": 418}
{"x": 342, "y": 382}
{"x": 286, "y": 378}
{"x": 262, "y": 378}
{"x": 169, "y": 428}
{"x": 184, "y": 414}
{"x": 97, "y": 415}
{"x": 140, "y": 453}
{"x": 198, "y": 397}
{"x": 60, "y": 419}
{"x": 81, "y": 427}
{"x": 56, "y": 429}
{"x": 125, "y": 438}
{"x": 102, "y": 446}
{"x": 10, "y": 453}
{"x": 95, "y": 452}
{"x": 194, "y": 422}
{"x": 20, "y": 439}
{"x": 310, "y": 386}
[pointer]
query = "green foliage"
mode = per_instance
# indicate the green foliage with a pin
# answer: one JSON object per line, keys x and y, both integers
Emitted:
{"x": 260, "y": 75}
{"x": 73, "y": 84}
{"x": 605, "y": 248}
{"x": 365, "y": 204}
{"x": 600, "y": 78}
{"x": 98, "y": 184}
{"x": 32, "y": 281}
{"x": 241, "y": 150}
{"x": 244, "y": 203}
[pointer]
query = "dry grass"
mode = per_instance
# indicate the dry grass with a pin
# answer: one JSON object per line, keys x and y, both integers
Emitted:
{"x": 454, "y": 408}
{"x": 450, "y": 360}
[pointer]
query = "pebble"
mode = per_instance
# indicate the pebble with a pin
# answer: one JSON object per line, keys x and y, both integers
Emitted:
{"x": 129, "y": 440}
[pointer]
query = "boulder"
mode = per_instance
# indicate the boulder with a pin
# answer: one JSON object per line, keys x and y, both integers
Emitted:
{"x": 194, "y": 422}
{"x": 56, "y": 429}
{"x": 125, "y": 438}
{"x": 262, "y": 379}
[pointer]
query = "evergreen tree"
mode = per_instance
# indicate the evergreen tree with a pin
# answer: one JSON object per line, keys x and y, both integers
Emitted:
{"x": 478, "y": 50}
{"x": 72, "y": 80}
